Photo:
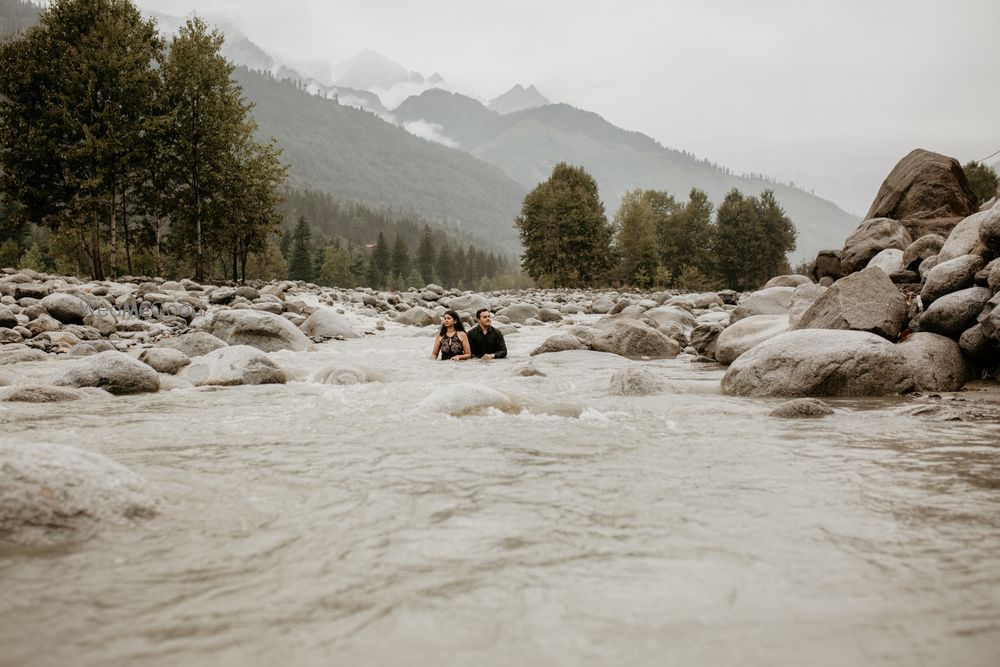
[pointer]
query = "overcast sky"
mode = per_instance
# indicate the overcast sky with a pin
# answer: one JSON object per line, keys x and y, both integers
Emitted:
{"x": 828, "y": 94}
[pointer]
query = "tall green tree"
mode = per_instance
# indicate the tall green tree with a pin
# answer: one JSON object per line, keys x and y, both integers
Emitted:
{"x": 400, "y": 264}
{"x": 445, "y": 266}
{"x": 565, "y": 234}
{"x": 753, "y": 236}
{"x": 983, "y": 179}
{"x": 379, "y": 263}
{"x": 635, "y": 223}
{"x": 300, "y": 267}
{"x": 209, "y": 123}
{"x": 426, "y": 254}
{"x": 77, "y": 96}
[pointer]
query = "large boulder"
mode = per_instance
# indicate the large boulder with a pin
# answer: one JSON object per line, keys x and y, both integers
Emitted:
{"x": 632, "y": 338}
{"x": 747, "y": 333}
{"x": 950, "y": 276}
{"x": 164, "y": 359}
{"x": 889, "y": 260}
{"x": 964, "y": 238}
{"x": 927, "y": 191}
{"x": 66, "y": 308}
{"x": 665, "y": 316}
{"x": 819, "y": 362}
{"x": 989, "y": 230}
{"x": 870, "y": 238}
{"x": 634, "y": 381}
{"x": 53, "y": 494}
{"x": 519, "y": 312}
{"x": 827, "y": 265}
{"x": 265, "y": 331}
{"x": 953, "y": 313}
{"x": 770, "y": 301}
{"x": 7, "y": 318}
{"x": 193, "y": 344}
{"x": 459, "y": 399}
{"x": 114, "y": 372}
{"x": 416, "y": 317}
{"x": 40, "y": 393}
{"x": 469, "y": 303}
{"x": 934, "y": 362}
{"x": 560, "y": 343}
{"x": 803, "y": 298}
{"x": 924, "y": 247}
{"x": 328, "y": 323}
{"x": 863, "y": 301}
{"x": 704, "y": 338}
{"x": 234, "y": 365}
{"x": 789, "y": 280}
{"x": 20, "y": 355}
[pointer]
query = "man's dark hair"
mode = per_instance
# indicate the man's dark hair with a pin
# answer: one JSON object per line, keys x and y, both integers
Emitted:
{"x": 481, "y": 311}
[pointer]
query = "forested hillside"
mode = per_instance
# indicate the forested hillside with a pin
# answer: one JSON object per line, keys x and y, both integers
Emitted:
{"x": 355, "y": 155}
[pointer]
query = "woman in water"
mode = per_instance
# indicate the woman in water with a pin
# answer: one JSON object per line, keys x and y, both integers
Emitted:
{"x": 451, "y": 340}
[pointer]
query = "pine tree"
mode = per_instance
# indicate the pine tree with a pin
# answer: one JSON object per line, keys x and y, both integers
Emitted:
{"x": 400, "y": 264}
{"x": 426, "y": 255}
{"x": 445, "y": 266}
{"x": 379, "y": 263}
{"x": 300, "y": 267}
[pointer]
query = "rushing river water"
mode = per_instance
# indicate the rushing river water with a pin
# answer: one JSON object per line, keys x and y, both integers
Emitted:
{"x": 311, "y": 524}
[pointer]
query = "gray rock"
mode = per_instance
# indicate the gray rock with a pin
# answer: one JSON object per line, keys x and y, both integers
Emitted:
{"x": 91, "y": 347}
{"x": 977, "y": 346}
{"x": 602, "y": 306}
{"x": 964, "y": 239}
{"x": 927, "y": 265}
{"x": 8, "y": 336}
{"x": 53, "y": 495}
{"x": 950, "y": 276}
{"x": 193, "y": 344}
{"x": 634, "y": 381}
{"x": 924, "y": 247}
{"x": 993, "y": 281}
{"x": 870, "y": 238}
{"x": 31, "y": 291}
{"x": 889, "y": 260}
{"x": 329, "y": 323}
{"x": 468, "y": 303}
{"x": 519, "y": 312}
{"x": 770, "y": 301}
{"x": 953, "y": 313}
{"x": 164, "y": 359}
{"x": 549, "y": 315}
{"x": 115, "y": 372}
{"x": 234, "y": 365}
{"x": 935, "y": 363}
{"x": 989, "y": 321}
{"x": 632, "y": 338}
{"x": 417, "y": 317}
{"x": 802, "y": 407}
{"x": 789, "y": 280}
{"x": 704, "y": 338}
{"x": 746, "y": 334}
{"x": 664, "y": 316}
{"x": 222, "y": 295}
{"x": 819, "y": 362}
{"x": 102, "y": 320}
{"x": 803, "y": 298}
{"x": 66, "y": 308}
{"x": 827, "y": 265}
{"x": 989, "y": 229}
{"x": 7, "y": 318}
{"x": 265, "y": 331}
{"x": 559, "y": 343}
{"x": 8, "y": 357}
{"x": 43, "y": 324}
{"x": 341, "y": 375}
{"x": 460, "y": 399}
{"x": 864, "y": 301}
{"x": 40, "y": 393}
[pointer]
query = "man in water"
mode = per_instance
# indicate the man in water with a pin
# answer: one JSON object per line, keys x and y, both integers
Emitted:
{"x": 486, "y": 342}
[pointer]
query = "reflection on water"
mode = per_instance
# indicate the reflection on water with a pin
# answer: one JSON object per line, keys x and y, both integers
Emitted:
{"x": 363, "y": 524}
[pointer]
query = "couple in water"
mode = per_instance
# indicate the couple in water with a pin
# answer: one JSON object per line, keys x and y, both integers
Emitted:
{"x": 482, "y": 341}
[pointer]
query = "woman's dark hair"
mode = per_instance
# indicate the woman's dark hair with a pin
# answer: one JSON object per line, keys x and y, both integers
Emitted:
{"x": 458, "y": 323}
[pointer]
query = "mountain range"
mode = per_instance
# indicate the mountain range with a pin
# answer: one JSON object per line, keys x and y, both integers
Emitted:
{"x": 466, "y": 163}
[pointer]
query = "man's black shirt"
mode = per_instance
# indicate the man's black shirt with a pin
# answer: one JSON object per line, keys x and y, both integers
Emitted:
{"x": 491, "y": 342}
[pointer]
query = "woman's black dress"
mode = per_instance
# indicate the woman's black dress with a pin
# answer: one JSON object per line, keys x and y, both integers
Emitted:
{"x": 451, "y": 346}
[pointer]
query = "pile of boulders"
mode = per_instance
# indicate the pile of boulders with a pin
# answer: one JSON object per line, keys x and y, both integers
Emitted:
{"x": 910, "y": 303}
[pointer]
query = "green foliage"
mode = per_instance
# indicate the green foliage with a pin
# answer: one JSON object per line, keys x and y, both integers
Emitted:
{"x": 635, "y": 222}
{"x": 267, "y": 263}
{"x": 9, "y": 254}
{"x": 753, "y": 236}
{"x": 379, "y": 262}
{"x": 300, "y": 266}
{"x": 983, "y": 179}
{"x": 34, "y": 259}
{"x": 336, "y": 269}
{"x": 426, "y": 255}
{"x": 400, "y": 264}
{"x": 566, "y": 237}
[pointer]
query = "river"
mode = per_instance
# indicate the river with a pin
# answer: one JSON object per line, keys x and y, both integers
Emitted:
{"x": 313, "y": 524}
